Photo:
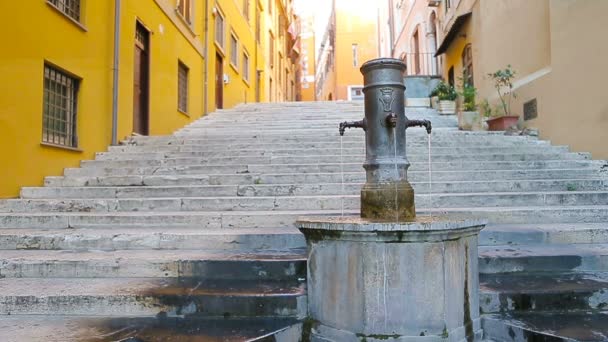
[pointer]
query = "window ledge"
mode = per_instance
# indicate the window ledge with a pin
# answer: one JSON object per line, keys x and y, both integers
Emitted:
{"x": 72, "y": 20}
{"x": 220, "y": 49}
{"x": 62, "y": 147}
{"x": 234, "y": 67}
{"x": 183, "y": 113}
{"x": 246, "y": 83}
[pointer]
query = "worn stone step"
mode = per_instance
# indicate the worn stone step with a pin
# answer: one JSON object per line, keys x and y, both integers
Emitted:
{"x": 555, "y": 233}
{"x": 284, "y": 218}
{"x": 311, "y": 178}
{"x": 321, "y": 189}
{"x": 324, "y": 168}
{"x": 156, "y": 237}
{"x": 277, "y": 203}
{"x": 203, "y": 151}
{"x": 549, "y": 326}
{"x": 226, "y": 265}
{"x": 543, "y": 258}
{"x": 56, "y": 328}
{"x": 121, "y": 220}
{"x": 501, "y": 293}
{"x": 314, "y": 157}
{"x": 149, "y": 297}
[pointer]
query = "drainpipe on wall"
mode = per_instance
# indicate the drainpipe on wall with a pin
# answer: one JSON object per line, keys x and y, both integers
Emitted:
{"x": 206, "y": 53}
{"x": 115, "y": 72}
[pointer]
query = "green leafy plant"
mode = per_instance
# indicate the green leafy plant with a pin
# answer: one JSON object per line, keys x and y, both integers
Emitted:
{"x": 445, "y": 92}
{"x": 489, "y": 112}
{"x": 468, "y": 94}
{"x": 503, "y": 83}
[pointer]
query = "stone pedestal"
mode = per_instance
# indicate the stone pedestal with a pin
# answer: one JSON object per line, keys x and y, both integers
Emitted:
{"x": 415, "y": 281}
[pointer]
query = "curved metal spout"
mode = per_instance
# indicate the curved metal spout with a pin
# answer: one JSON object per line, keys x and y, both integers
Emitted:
{"x": 352, "y": 124}
{"x": 425, "y": 123}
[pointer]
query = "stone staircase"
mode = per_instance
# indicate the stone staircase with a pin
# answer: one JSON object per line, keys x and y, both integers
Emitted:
{"x": 190, "y": 236}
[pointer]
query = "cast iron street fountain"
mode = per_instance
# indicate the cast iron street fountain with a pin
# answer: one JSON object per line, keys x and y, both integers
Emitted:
{"x": 388, "y": 275}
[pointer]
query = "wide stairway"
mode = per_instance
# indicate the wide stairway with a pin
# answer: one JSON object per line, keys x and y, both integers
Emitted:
{"x": 190, "y": 237}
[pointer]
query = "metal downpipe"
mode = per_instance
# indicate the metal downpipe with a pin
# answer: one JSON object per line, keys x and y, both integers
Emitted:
{"x": 115, "y": 72}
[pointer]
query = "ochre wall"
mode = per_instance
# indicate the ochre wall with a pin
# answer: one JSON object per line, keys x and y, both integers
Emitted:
{"x": 37, "y": 32}
{"x": 356, "y": 23}
{"x": 33, "y": 33}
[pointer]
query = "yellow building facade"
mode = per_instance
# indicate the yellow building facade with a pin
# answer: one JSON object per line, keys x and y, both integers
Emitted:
{"x": 76, "y": 79}
{"x": 350, "y": 39}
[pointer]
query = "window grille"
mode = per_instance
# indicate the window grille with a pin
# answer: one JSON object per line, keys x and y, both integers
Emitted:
{"x": 182, "y": 87}
{"x": 234, "y": 50}
{"x": 71, "y": 8}
{"x": 59, "y": 112}
{"x": 219, "y": 29}
{"x": 245, "y": 67}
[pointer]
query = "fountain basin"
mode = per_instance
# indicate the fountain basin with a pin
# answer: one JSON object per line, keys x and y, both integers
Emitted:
{"x": 378, "y": 281}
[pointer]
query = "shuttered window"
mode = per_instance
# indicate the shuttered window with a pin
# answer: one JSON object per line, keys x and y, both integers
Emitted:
{"x": 182, "y": 87}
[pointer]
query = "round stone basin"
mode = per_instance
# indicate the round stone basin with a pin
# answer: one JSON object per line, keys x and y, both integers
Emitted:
{"x": 405, "y": 281}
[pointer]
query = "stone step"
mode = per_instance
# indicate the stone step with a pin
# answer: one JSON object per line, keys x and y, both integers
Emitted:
{"x": 220, "y": 265}
{"x": 284, "y": 218}
{"x": 171, "y": 151}
{"x": 532, "y": 234}
{"x": 278, "y": 203}
{"x": 502, "y": 293}
{"x": 149, "y": 297}
{"x": 311, "y": 178}
{"x": 56, "y": 328}
{"x": 211, "y": 145}
{"x": 236, "y": 239}
{"x": 225, "y": 159}
{"x": 550, "y": 326}
{"x": 454, "y": 137}
{"x": 159, "y": 237}
{"x": 320, "y": 189}
{"x": 543, "y": 258}
{"x": 325, "y": 168}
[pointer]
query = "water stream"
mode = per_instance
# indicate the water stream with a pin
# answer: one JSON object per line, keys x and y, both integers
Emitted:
{"x": 342, "y": 177}
{"x": 430, "y": 179}
{"x": 396, "y": 175}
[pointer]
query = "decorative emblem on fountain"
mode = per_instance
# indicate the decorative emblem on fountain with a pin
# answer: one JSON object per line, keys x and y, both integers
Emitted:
{"x": 386, "y": 98}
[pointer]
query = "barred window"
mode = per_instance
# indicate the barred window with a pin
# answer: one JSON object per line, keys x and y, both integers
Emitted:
{"x": 234, "y": 50}
{"x": 59, "y": 111}
{"x": 182, "y": 87}
{"x": 245, "y": 66}
{"x": 71, "y": 8}
{"x": 184, "y": 8}
{"x": 219, "y": 29}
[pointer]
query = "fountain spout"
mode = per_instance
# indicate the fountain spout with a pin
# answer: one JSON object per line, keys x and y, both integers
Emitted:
{"x": 414, "y": 123}
{"x": 352, "y": 124}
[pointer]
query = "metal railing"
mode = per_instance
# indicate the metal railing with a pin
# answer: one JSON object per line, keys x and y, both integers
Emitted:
{"x": 422, "y": 64}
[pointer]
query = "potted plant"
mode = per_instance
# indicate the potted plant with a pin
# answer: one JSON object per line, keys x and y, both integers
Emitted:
{"x": 503, "y": 118}
{"x": 447, "y": 98}
{"x": 468, "y": 117}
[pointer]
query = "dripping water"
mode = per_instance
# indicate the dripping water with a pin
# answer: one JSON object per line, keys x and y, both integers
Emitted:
{"x": 396, "y": 175}
{"x": 430, "y": 179}
{"x": 342, "y": 179}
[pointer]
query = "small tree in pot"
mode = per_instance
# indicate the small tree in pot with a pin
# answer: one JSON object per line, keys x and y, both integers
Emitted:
{"x": 503, "y": 82}
{"x": 447, "y": 98}
{"x": 469, "y": 118}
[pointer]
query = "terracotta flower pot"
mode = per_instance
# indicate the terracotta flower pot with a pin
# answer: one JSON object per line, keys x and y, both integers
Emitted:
{"x": 501, "y": 123}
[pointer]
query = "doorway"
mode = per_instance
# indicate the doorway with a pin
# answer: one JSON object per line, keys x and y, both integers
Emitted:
{"x": 141, "y": 80}
{"x": 219, "y": 81}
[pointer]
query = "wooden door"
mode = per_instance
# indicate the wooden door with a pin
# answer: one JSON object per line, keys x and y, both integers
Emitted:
{"x": 219, "y": 81}
{"x": 140, "y": 80}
